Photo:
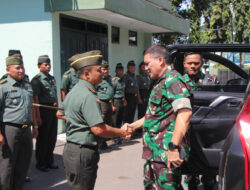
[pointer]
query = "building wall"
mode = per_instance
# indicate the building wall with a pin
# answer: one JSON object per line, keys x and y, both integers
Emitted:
{"x": 24, "y": 25}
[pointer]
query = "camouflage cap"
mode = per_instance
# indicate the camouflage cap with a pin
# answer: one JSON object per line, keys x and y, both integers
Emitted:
{"x": 119, "y": 66}
{"x": 89, "y": 58}
{"x": 13, "y": 51}
{"x": 15, "y": 59}
{"x": 105, "y": 64}
{"x": 43, "y": 59}
{"x": 131, "y": 63}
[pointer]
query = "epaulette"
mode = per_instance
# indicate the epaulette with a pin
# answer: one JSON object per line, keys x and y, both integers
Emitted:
{"x": 67, "y": 72}
{"x": 92, "y": 90}
{"x": 113, "y": 79}
{"x": 37, "y": 76}
{"x": 3, "y": 81}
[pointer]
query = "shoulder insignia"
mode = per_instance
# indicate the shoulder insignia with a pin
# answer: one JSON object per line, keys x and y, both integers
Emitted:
{"x": 3, "y": 81}
{"x": 113, "y": 79}
{"x": 67, "y": 72}
{"x": 92, "y": 90}
{"x": 37, "y": 76}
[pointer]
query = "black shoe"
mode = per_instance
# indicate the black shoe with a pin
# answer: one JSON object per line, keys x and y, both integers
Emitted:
{"x": 53, "y": 166}
{"x": 42, "y": 168}
{"x": 28, "y": 179}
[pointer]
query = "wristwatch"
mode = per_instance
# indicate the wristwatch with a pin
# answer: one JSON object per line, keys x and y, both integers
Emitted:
{"x": 172, "y": 146}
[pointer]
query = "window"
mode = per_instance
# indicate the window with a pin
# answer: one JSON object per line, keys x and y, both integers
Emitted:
{"x": 115, "y": 35}
{"x": 132, "y": 38}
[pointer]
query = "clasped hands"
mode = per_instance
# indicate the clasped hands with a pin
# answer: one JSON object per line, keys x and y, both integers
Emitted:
{"x": 129, "y": 130}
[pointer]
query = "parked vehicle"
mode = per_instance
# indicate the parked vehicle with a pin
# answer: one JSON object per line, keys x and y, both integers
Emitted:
{"x": 220, "y": 125}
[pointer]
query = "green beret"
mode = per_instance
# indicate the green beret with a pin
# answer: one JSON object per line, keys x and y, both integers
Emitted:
{"x": 119, "y": 66}
{"x": 105, "y": 64}
{"x": 43, "y": 59}
{"x": 15, "y": 59}
{"x": 12, "y": 52}
{"x": 131, "y": 63}
{"x": 89, "y": 58}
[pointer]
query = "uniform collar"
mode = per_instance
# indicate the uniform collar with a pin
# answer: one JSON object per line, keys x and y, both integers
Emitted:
{"x": 164, "y": 75}
{"x": 13, "y": 81}
{"x": 44, "y": 76}
{"x": 86, "y": 83}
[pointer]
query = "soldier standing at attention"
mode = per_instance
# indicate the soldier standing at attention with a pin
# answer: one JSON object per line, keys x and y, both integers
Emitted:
{"x": 165, "y": 123}
{"x": 16, "y": 117}
{"x": 131, "y": 92}
{"x": 193, "y": 62}
{"x": 85, "y": 126}
{"x": 105, "y": 94}
{"x": 143, "y": 80}
{"x": 69, "y": 80}
{"x": 119, "y": 100}
{"x": 44, "y": 92}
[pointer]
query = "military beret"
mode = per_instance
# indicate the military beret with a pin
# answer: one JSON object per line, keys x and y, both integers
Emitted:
{"x": 72, "y": 59}
{"x": 43, "y": 59}
{"x": 89, "y": 58}
{"x": 119, "y": 66}
{"x": 12, "y": 52}
{"x": 131, "y": 63}
{"x": 15, "y": 59}
{"x": 105, "y": 64}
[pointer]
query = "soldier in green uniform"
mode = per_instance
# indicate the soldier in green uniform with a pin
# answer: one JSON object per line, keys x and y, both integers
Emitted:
{"x": 143, "y": 80}
{"x": 16, "y": 117}
{"x": 85, "y": 126}
{"x": 44, "y": 91}
{"x": 69, "y": 80}
{"x": 105, "y": 94}
{"x": 119, "y": 100}
{"x": 165, "y": 123}
{"x": 193, "y": 62}
{"x": 131, "y": 92}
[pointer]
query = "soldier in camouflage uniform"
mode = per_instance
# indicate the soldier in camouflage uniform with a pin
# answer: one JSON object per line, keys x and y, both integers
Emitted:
{"x": 165, "y": 123}
{"x": 69, "y": 80}
{"x": 195, "y": 77}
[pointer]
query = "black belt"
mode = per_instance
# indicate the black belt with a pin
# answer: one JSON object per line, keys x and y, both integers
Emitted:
{"x": 107, "y": 101}
{"x": 119, "y": 98}
{"x": 95, "y": 148}
{"x": 22, "y": 126}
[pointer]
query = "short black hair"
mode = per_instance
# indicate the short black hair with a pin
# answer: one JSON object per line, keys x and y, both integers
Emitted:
{"x": 192, "y": 53}
{"x": 158, "y": 50}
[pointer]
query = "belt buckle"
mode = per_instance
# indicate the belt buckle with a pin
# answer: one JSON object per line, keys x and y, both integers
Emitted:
{"x": 24, "y": 126}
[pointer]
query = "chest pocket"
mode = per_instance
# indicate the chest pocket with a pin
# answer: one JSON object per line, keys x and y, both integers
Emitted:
{"x": 13, "y": 98}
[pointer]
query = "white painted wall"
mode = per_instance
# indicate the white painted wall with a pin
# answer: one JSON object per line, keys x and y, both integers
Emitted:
{"x": 25, "y": 26}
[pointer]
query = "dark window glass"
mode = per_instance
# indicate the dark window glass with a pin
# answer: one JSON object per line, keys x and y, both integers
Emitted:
{"x": 115, "y": 35}
{"x": 132, "y": 37}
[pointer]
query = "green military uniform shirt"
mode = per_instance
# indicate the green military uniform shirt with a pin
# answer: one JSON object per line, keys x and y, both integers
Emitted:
{"x": 169, "y": 95}
{"x": 44, "y": 86}
{"x": 143, "y": 81}
{"x": 16, "y": 100}
{"x": 82, "y": 111}
{"x": 69, "y": 80}
{"x": 105, "y": 90}
{"x": 131, "y": 85}
{"x": 119, "y": 87}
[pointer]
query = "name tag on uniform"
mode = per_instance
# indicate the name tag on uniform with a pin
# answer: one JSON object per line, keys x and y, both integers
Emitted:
{"x": 132, "y": 84}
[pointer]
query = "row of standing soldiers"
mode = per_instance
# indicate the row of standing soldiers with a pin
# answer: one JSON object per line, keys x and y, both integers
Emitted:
{"x": 118, "y": 96}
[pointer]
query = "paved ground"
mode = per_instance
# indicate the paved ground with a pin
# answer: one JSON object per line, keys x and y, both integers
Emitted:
{"x": 119, "y": 169}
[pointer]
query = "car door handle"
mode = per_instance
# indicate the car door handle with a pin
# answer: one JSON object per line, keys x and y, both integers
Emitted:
{"x": 234, "y": 104}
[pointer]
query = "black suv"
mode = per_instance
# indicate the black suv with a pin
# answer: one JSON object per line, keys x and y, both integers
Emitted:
{"x": 220, "y": 125}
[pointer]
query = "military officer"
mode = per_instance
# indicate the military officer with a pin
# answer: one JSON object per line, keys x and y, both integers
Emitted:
{"x": 85, "y": 126}
{"x": 69, "y": 80}
{"x": 105, "y": 94}
{"x": 131, "y": 92}
{"x": 193, "y": 62}
{"x": 44, "y": 91}
{"x": 143, "y": 80}
{"x": 166, "y": 122}
{"x": 16, "y": 117}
